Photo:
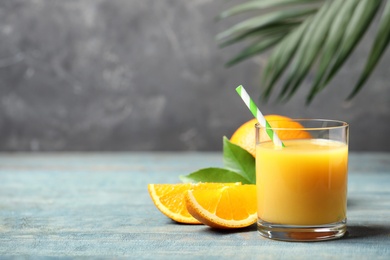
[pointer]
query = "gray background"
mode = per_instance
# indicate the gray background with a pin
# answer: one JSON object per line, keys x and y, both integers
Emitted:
{"x": 132, "y": 75}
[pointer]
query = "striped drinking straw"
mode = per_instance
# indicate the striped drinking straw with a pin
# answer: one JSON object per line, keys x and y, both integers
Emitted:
{"x": 258, "y": 115}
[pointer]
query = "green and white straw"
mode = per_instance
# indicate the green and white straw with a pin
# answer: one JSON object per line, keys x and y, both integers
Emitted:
{"x": 258, "y": 115}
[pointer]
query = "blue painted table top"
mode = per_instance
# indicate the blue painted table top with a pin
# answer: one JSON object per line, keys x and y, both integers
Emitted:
{"x": 97, "y": 205}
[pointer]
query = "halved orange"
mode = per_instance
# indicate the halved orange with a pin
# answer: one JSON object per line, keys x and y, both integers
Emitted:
{"x": 226, "y": 207}
{"x": 169, "y": 198}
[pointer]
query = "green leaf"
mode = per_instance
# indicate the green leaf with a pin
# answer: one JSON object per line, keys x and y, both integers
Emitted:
{"x": 381, "y": 42}
{"x": 265, "y": 20}
{"x": 331, "y": 45}
{"x": 281, "y": 57}
{"x": 239, "y": 167}
{"x": 299, "y": 49}
{"x": 213, "y": 175}
{"x": 310, "y": 46}
{"x": 362, "y": 18}
{"x": 239, "y": 160}
{"x": 259, "y": 5}
{"x": 262, "y": 33}
{"x": 255, "y": 49}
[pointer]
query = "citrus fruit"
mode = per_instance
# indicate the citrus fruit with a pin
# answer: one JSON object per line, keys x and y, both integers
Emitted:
{"x": 225, "y": 207}
{"x": 245, "y": 135}
{"x": 169, "y": 198}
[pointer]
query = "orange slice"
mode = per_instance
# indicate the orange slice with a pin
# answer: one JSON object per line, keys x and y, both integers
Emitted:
{"x": 169, "y": 198}
{"x": 225, "y": 207}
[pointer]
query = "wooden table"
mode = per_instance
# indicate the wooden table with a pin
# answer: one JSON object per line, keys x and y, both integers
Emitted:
{"x": 97, "y": 205}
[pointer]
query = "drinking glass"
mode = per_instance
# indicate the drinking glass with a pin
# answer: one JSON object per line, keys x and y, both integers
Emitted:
{"x": 302, "y": 186}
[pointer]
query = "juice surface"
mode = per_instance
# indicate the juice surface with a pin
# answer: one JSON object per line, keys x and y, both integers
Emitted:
{"x": 304, "y": 183}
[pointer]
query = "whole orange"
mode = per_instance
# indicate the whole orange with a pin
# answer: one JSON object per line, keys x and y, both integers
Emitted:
{"x": 245, "y": 135}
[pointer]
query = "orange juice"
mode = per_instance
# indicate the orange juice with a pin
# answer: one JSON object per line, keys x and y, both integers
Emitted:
{"x": 303, "y": 183}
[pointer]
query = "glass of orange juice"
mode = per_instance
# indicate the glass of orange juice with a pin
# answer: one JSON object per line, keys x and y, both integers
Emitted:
{"x": 302, "y": 187}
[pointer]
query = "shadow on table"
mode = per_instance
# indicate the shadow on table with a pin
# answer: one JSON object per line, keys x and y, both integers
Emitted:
{"x": 251, "y": 228}
{"x": 205, "y": 228}
{"x": 353, "y": 232}
{"x": 358, "y": 232}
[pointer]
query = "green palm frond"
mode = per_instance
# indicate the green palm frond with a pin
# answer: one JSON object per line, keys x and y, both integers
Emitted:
{"x": 307, "y": 35}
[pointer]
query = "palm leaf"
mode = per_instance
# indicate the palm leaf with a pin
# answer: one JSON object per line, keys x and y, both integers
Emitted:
{"x": 262, "y": 22}
{"x": 380, "y": 44}
{"x": 359, "y": 23}
{"x": 268, "y": 31}
{"x": 309, "y": 47}
{"x": 260, "y": 5}
{"x": 281, "y": 57}
{"x": 331, "y": 45}
{"x": 255, "y": 49}
{"x": 323, "y": 31}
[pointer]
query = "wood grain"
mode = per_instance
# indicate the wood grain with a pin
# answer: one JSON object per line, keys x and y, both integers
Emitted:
{"x": 97, "y": 205}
